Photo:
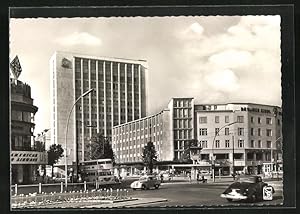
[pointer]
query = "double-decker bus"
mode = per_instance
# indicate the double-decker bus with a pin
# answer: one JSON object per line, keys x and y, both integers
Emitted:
{"x": 100, "y": 170}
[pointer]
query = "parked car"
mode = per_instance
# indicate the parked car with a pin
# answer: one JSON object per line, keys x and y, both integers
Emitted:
{"x": 250, "y": 188}
{"x": 146, "y": 182}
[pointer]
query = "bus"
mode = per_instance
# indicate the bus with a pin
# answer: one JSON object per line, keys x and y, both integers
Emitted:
{"x": 100, "y": 170}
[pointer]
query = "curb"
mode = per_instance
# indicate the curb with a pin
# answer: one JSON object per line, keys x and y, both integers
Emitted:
{"x": 132, "y": 203}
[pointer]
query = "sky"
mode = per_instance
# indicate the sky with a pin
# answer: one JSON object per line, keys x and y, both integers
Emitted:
{"x": 215, "y": 59}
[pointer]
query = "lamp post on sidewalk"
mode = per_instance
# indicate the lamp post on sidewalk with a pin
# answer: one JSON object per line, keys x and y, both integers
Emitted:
{"x": 273, "y": 160}
{"x": 67, "y": 126}
{"x": 212, "y": 148}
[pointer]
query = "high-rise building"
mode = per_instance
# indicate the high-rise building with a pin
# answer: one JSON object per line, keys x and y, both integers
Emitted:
{"x": 119, "y": 96}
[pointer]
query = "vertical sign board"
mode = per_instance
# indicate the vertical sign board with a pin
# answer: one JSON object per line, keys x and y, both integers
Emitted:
{"x": 267, "y": 193}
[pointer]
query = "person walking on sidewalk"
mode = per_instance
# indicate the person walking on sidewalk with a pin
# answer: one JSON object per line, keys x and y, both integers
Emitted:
{"x": 190, "y": 177}
{"x": 161, "y": 178}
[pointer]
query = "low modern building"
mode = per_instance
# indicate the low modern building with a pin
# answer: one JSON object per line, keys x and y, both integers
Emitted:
{"x": 26, "y": 156}
{"x": 249, "y": 134}
{"x": 169, "y": 130}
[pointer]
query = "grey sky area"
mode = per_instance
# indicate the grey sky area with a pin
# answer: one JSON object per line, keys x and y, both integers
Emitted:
{"x": 215, "y": 59}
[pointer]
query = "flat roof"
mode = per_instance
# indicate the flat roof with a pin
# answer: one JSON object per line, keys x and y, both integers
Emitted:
{"x": 235, "y": 103}
{"x": 119, "y": 59}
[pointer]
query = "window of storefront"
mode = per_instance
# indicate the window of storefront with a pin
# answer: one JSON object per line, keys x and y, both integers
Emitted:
{"x": 238, "y": 156}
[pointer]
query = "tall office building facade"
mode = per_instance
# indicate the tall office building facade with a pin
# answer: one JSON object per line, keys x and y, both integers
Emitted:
{"x": 119, "y": 96}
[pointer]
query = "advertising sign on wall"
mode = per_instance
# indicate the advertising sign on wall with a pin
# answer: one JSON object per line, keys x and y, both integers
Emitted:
{"x": 28, "y": 157}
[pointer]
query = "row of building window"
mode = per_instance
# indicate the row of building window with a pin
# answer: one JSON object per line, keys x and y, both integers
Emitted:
{"x": 147, "y": 123}
{"x": 240, "y": 156}
{"x": 154, "y": 137}
{"x": 240, "y": 132}
{"x": 183, "y": 134}
{"x": 240, "y": 119}
{"x": 22, "y": 116}
{"x": 109, "y": 67}
{"x": 182, "y": 123}
{"x": 182, "y": 113}
{"x": 203, "y": 144}
{"x": 182, "y": 103}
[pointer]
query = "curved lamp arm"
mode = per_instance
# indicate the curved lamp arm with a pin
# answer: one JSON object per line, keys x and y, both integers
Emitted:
{"x": 66, "y": 133}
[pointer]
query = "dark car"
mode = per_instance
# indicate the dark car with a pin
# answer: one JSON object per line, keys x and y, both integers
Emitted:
{"x": 250, "y": 188}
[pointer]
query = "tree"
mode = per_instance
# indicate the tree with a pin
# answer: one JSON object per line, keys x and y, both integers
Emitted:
{"x": 101, "y": 148}
{"x": 190, "y": 148}
{"x": 55, "y": 152}
{"x": 149, "y": 156}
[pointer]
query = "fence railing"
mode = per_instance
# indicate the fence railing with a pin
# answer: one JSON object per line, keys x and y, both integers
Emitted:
{"x": 57, "y": 187}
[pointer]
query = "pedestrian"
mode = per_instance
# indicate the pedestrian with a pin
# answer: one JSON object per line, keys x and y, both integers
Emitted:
{"x": 198, "y": 177}
{"x": 190, "y": 177}
{"x": 161, "y": 178}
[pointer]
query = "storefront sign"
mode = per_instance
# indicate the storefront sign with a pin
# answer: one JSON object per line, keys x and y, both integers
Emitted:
{"x": 28, "y": 157}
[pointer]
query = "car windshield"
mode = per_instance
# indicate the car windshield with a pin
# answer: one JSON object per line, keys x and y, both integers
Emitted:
{"x": 247, "y": 179}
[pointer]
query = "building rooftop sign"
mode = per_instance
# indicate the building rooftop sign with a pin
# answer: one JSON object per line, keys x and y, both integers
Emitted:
{"x": 15, "y": 67}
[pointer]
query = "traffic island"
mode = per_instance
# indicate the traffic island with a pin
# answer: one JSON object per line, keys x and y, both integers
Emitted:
{"x": 69, "y": 199}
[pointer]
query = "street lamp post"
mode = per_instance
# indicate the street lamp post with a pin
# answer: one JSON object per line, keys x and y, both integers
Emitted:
{"x": 212, "y": 148}
{"x": 67, "y": 126}
{"x": 272, "y": 158}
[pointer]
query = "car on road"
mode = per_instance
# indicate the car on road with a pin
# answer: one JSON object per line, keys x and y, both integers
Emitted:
{"x": 146, "y": 182}
{"x": 249, "y": 188}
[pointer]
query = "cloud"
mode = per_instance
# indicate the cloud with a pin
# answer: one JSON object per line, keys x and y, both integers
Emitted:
{"x": 79, "y": 38}
{"x": 196, "y": 28}
{"x": 231, "y": 58}
{"x": 222, "y": 80}
{"x": 193, "y": 31}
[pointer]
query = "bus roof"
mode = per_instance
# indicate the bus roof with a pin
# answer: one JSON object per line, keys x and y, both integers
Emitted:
{"x": 97, "y": 160}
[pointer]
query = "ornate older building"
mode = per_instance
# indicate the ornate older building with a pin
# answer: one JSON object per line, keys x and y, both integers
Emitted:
{"x": 26, "y": 157}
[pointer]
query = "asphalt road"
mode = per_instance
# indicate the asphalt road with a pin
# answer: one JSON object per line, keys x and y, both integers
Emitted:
{"x": 184, "y": 194}
{"x": 194, "y": 195}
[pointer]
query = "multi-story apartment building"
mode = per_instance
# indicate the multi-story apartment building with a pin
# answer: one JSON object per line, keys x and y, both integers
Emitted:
{"x": 119, "y": 97}
{"x": 26, "y": 156}
{"x": 245, "y": 136}
{"x": 248, "y": 133}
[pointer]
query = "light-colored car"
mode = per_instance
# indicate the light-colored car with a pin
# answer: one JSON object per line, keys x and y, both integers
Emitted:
{"x": 146, "y": 182}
